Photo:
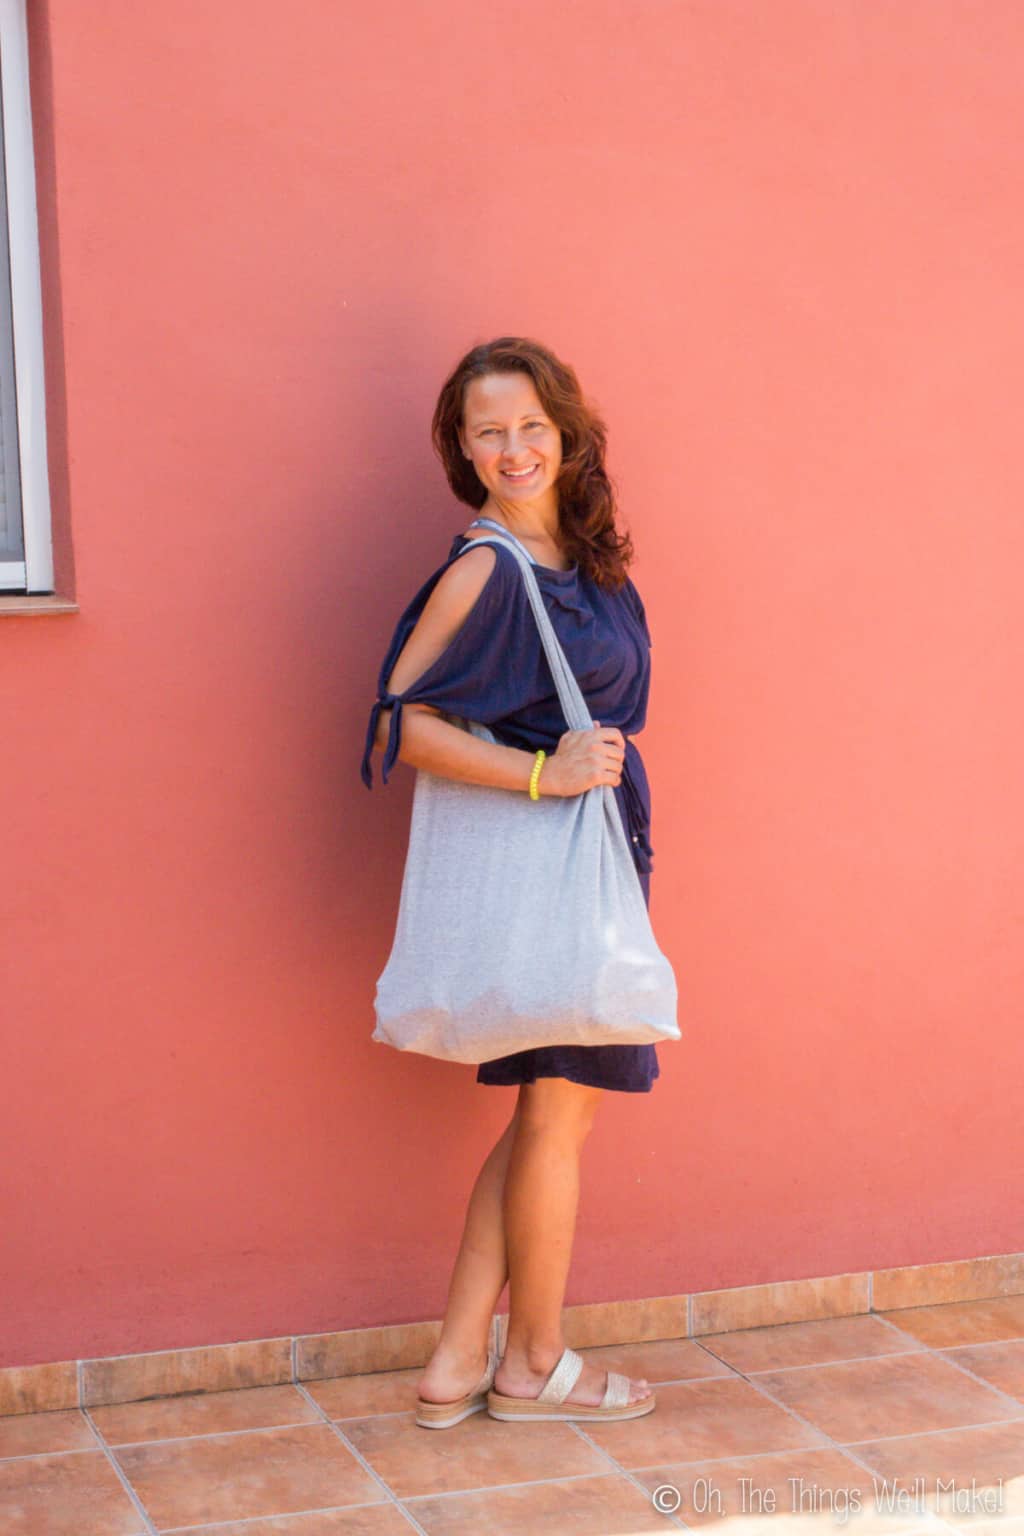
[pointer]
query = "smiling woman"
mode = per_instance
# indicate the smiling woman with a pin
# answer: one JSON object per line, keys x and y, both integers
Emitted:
{"x": 522, "y": 447}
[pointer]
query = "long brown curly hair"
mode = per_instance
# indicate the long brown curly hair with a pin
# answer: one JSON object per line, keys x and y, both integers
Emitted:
{"x": 586, "y": 498}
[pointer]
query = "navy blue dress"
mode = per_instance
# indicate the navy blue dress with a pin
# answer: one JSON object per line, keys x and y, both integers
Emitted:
{"x": 495, "y": 671}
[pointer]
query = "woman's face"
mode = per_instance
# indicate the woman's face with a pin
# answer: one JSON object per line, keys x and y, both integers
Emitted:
{"x": 505, "y": 430}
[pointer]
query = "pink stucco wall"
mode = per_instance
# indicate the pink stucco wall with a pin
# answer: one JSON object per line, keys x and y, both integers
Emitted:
{"x": 782, "y": 246}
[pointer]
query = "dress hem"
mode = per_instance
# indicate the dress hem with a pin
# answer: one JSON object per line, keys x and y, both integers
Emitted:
{"x": 572, "y": 1077}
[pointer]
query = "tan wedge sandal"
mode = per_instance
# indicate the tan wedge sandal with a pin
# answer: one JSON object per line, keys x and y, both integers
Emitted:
{"x": 444, "y": 1415}
{"x": 550, "y": 1402}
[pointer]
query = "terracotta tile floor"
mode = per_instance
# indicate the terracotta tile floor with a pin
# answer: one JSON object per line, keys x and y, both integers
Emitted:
{"x": 907, "y": 1421}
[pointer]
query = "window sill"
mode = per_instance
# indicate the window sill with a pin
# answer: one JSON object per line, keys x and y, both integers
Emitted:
{"x": 36, "y": 603}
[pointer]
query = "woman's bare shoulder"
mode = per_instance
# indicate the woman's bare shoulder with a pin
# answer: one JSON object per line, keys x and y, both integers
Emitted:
{"x": 454, "y": 596}
{"x": 462, "y": 582}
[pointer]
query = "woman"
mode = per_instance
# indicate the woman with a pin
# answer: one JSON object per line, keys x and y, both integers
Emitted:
{"x": 520, "y": 444}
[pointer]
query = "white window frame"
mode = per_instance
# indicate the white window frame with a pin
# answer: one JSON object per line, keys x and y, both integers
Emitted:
{"x": 35, "y": 573}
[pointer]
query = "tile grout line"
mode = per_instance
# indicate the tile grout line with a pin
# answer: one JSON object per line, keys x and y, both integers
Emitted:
{"x": 952, "y": 1349}
{"x": 291, "y": 1514}
{"x": 186, "y": 1349}
{"x": 815, "y": 1365}
{"x": 148, "y": 1525}
{"x": 714, "y": 1461}
{"x": 357, "y": 1453}
{"x": 943, "y": 1429}
{"x": 674, "y": 1519}
{"x": 78, "y": 1450}
{"x": 209, "y": 1434}
{"x": 528, "y": 1482}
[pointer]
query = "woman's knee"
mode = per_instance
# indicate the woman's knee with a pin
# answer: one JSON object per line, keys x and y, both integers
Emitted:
{"x": 557, "y": 1105}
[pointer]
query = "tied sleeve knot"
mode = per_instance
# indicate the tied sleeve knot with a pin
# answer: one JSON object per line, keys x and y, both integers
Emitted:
{"x": 384, "y": 700}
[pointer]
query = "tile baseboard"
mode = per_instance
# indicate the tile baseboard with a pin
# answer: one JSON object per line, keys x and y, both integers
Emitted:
{"x": 66, "y": 1384}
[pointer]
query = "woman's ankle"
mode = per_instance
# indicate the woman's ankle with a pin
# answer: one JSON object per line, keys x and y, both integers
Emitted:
{"x": 537, "y": 1356}
{"x": 462, "y": 1352}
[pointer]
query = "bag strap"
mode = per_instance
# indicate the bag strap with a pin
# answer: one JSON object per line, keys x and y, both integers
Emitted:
{"x": 488, "y": 522}
{"x": 570, "y": 696}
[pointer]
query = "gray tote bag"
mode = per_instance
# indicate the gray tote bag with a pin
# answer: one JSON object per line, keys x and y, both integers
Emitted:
{"x": 521, "y": 922}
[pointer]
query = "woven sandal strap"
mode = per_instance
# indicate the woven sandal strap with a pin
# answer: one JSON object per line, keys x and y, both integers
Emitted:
{"x": 616, "y": 1393}
{"x": 562, "y": 1379}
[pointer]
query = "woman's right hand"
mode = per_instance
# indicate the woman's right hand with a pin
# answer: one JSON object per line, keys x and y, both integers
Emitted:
{"x": 583, "y": 759}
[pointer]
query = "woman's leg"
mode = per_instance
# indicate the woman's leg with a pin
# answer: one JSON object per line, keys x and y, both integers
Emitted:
{"x": 539, "y": 1207}
{"x": 478, "y": 1279}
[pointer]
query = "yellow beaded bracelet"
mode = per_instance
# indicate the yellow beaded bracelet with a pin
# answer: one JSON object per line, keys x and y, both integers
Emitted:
{"x": 535, "y": 775}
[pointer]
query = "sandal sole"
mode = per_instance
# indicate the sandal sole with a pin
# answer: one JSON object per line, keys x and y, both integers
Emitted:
{"x": 445, "y": 1415}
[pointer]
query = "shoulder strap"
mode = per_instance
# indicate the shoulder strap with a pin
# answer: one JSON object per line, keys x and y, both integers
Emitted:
{"x": 574, "y": 706}
{"x": 488, "y": 522}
